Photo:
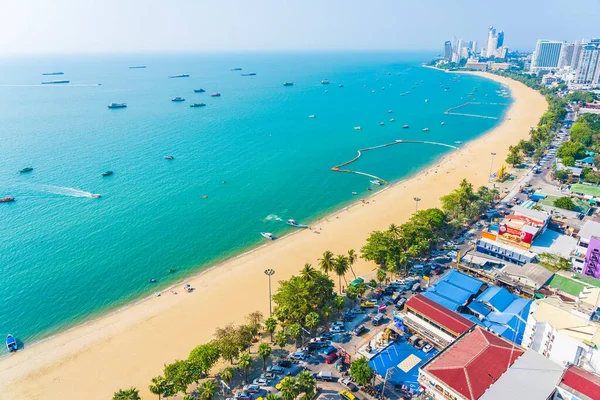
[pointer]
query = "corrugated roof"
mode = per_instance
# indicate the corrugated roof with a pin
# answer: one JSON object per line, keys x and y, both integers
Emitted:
{"x": 581, "y": 382}
{"x": 539, "y": 215}
{"x": 496, "y": 296}
{"x": 532, "y": 376}
{"x": 479, "y": 308}
{"x": 449, "y": 304}
{"x": 462, "y": 281}
{"x": 439, "y": 314}
{"x": 534, "y": 272}
{"x": 589, "y": 229}
{"x": 474, "y": 362}
{"x": 453, "y": 292}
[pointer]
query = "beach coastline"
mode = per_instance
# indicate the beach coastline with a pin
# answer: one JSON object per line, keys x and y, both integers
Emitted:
{"x": 130, "y": 345}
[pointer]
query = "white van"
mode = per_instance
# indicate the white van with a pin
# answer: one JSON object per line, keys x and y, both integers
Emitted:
{"x": 377, "y": 319}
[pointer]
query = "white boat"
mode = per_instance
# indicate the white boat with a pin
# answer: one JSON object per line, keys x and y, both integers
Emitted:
{"x": 390, "y": 111}
{"x": 357, "y": 128}
{"x": 443, "y": 123}
{"x": 426, "y": 101}
{"x": 311, "y": 116}
{"x": 268, "y": 235}
{"x": 381, "y": 123}
{"x": 425, "y": 129}
{"x": 393, "y": 120}
{"x": 376, "y": 182}
{"x": 325, "y": 82}
{"x": 295, "y": 224}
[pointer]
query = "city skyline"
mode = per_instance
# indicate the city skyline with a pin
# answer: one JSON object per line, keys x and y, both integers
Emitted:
{"x": 185, "y": 25}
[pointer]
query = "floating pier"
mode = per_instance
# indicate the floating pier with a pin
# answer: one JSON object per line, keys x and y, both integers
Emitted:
{"x": 450, "y": 111}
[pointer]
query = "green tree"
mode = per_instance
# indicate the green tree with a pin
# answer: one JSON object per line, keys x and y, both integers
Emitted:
{"x": 281, "y": 339}
{"x": 306, "y": 383}
{"x": 264, "y": 351}
{"x": 244, "y": 363}
{"x": 270, "y": 326}
{"x": 289, "y": 389}
{"x": 361, "y": 289}
{"x": 340, "y": 267}
{"x": 526, "y": 146}
{"x": 161, "y": 387}
{"x": 571, "y": 149}
{"x": 272, "y": 396}
{"x": 311, "y": 321}
{"x": 127, "y": 394}
{"x": 381, "y": 276}
{"x": 568, "y": 161}
{"x": 514, "y": 157}
{"x": 308, "y": 272}
{"x": 562, "y": 175}
{"x": 204, "y": 357}
{"x": 208, "y": 390}
{"x": 244, "y": 334}
{"x": 227, "y": 374}
{"x": 255, "y": 320}
{"x": 360, "y": 371}
{"x": 295, "y": 331}
{"x": 227, "y": 341}
{"x": 352, "y": 258}
{"x": 339, "y": 304}
{"x": 564, "y": 203}
{"x": 352, "y": 295}
{"x": 555, "y": 262}
{"x": 179, "y": 375}
{"x": 327, "y": 263}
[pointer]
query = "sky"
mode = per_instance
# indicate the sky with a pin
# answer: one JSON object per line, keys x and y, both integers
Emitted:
{"x": 111, "y": 26}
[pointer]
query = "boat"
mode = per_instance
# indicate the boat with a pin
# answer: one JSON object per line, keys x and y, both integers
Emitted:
{"x": 215, "y": 94}
{"x": 250, "y": 74}
{"x": 11, "y": 343}
{"x": 312, "y": 116}
{"x": 53, "y": 73}
{"x": 340, "y": 85}
{"x": 458, "y": 142}
{"x": 372, "y": 91}
{"x": 381, "y": 123}
{"x": 236, "y": 69}
{"x": 204, "y": 197}
{"x": 171, "y": 271}
{"x": 392, "y": 119}
{"x": 327, "y": 91}
{"x": 177, "y": 99}
{"x": 425, "y": 129}
{"x": 137, "y": 67}
{"x": 390, "y": 111}
{"x": 107, "y": 173}
{"x": 426, "y": 101}
{"x": 405, "y": 126}
{"x": 377, "y": 182}
{"x": 268, "y": 235}
{"x": 288, "y": 83}
{"x": 382, "y": 88}
{"x": 295, "y": 224}
{"x": 169, "y": 158}
{"x": 325, "y": 82}
{"x": 357, "y": 128}
{"x": 197, "y": 105}
{"x": 26, "y": 169}
{"x": 443, "y": 123}
{"x": 54, "y": 82}
{"x": 95, "y": 196}
{"x": 199, "y": 90}
{"x": 179, "y": 76}
{"x": 117, "y": 105}
{"x": 152, "y": 280}
{"x": 7, "y": 199}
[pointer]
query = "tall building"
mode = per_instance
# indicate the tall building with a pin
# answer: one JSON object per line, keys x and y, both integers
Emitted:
{"x": 546, "y": 55}
{"x": 448, "y": 50}
{"x": 459, "y": 49}
{"x": 566, "y": 56}
{"x": 492, "y": 42}
{"x": 588, "y": 69}
{"x": 500, "y": 41}
{"x": 474, "y": 46}
{"x": 577, "y": 46}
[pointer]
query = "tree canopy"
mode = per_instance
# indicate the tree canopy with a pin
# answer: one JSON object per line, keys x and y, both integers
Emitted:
{"x": 564, "y": 203}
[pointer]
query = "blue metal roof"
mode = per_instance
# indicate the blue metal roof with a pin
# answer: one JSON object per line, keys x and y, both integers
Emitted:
{"x": 479, "y": 308}
{"x": 444, "y": 301}
{"x": 497, "y": 297}
{"x": 462, "y": 281}
{"x": 456, "y": 294}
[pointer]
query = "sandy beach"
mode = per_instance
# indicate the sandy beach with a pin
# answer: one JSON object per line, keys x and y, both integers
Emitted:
{"x": 130, "y": 346}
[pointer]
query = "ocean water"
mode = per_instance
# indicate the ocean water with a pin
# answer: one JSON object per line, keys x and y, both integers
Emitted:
{"x": 66, "y": 257}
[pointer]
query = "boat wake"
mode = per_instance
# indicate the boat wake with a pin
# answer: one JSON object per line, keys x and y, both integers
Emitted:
{"x": 273, "y": 217}
{"x": 67, "y": 191}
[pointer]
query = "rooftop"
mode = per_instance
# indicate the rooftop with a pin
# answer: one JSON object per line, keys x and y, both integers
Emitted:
{"x": 508, "y": 247}
{"x": 534, "y": 272}
{"x": 474, "y": 362}
{"x": 581, "y": 383}
{"x": 534, "y": 214}
{"x": 585, "y": 189}
{"x": 452, "y": 321}
{"x": 532, "y": 376}
{"x": 589, "y": 229}
{"x": 555, "y": 243}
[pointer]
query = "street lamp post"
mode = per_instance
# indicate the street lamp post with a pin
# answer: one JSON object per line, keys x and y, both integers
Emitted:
{"x": 270, "y": 272}
{"x": 417, "y": 200}
{"x": 491, "y": 166}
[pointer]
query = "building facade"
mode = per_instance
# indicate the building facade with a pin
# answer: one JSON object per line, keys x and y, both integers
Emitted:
{"x": 546, "y": 56}
{"x": 492, "y": 42}
{"x": 448, "y": 50}
{"x": 592, "y": 258}
{"x": 566, "y": 56}
{"x": 588, "y": 69}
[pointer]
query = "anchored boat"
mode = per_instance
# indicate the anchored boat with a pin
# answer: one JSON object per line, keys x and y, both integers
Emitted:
{"x": 377, "y": 182}
{"x": 11, "y": 343}
{"x": 117, "y": 105}
{"x": 268, "y": 235}
{"x": 295, "y": 224}
{"x": 7, "y": 199}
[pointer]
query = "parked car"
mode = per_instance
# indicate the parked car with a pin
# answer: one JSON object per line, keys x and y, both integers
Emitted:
{"x": 337, "y": 329}
{"x": 359, "y": 330}
{"x": 331, "y": 358}
{"x": 367, "y": 304}
{"x": 427, "y": 348}
{"x": 347, "y": 395}
{"x": 329, "y": 350}
{"x": 298, "y": 355}
{"x": 358, "y": 311}
{"x": 243, "y": 396}
{"x": 260, "y": 382}
{"x": 284, "y": 363}
{"x": 269, "y": 376}
{"x": 252, "y": 388}
{"x": 324, "y": 376}
{"x": 400, "y": 303}
{"x": 347, "y": 382}
{"x": 378, "y": 318}
{"x": 275, "y": 369}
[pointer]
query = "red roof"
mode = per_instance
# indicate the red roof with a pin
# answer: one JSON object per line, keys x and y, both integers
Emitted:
{"x": 581, "y": 381}
{"x": 473, "y": 363}
{"x": 439, "y": 314}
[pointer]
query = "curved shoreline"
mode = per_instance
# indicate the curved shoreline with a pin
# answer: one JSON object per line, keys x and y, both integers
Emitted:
{"x": 133, "y": 337}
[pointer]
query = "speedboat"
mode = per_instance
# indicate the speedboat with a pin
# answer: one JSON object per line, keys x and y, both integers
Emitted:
{"x": 250, "y": 74}
{"x": 215, "y": 94}
{"x": 325, "y": 82}
{"x": 177, "y": 99}
{"x": 96, "y": 196}
{"x": 26, "y": 169}
{"x": 425, "y": 129}
{"x": 197, "y": 105}
{"x": 393, "y": 120}
{"x": 340, "y": 85}
{"x": 11, "y": 343}
{"x": 268, "y": 235}
{"x": 7, "y": 199}
{"x": 357, "y": 128}
{"x": 180, "y": 76}
{"x": 381, "y": 123}
{"x": 137, "y": 67}
{"x": 295, "y": 224}
{"x": 169, "y": 158}
{"x": 199, "y": 90}
{"x": 458, "y": 142}
{"x": 443, "y": 123}
{"x": 390, "y": 111}
{"x": 54, "y": 82}
{"x": 405, "y": 126}
{"x": 107, "y": 173}
{"x": 376, "y": 182}
{"x": 288, "y": 83}
{"x": 236, "y": 69}
{"x": 117, "y": 105}
{"x": 53, "y": 73}
{"x": 426, "y": 100}
{"x": 311, "y": 116}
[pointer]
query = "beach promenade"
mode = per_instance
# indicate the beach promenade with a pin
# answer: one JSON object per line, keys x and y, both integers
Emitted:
{"x": 130, "y": 346}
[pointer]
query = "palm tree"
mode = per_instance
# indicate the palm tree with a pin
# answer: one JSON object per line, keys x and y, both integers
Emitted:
{"x": 394, "y": 230}
{"x": 308, "y": 272}
{"x": 208, "y": 390}
{"x": 270, "y": 326}
{"x": 381, "y": 275}
{"x": 311, "y": 321}
{"x": 227, "y": 375}
{"x": 352, "y": 257}
{"x": 272, "y": 396}
{"x": 127, "y": 394}
{"x": 281, "y": 339}
{"x": 339, "y": 304}
{"x": 158, "y": 386}
{"x": 289, "y": 390}
{"x": 340, "y": 267}
{"x": 306, "y": 383}
{"x": 295, "y": 331}
{"x": 245, "y": 362}
{"x": 327, "y": 262}
{"x": 264, "y": 350}
{"x": 327, "y": 312}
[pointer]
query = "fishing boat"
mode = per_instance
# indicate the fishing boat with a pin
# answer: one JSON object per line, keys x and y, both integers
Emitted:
{"x": 390, "y": 111}
{"x": 215, "y": 94}
{"x": 312, "y": 116}
{"x": 392, "y": 119}
{"x": 381, "y": 123}
{"x": 177, "y": 99}
{"x": 117, "y": 105}
{"x": 95, "y": 196}
{"x": 169, "y": 158}
{"x": 250, "y": 74}
{"x": 268, "y": 235}
{"x": 179, "y": 76}
{"x": 458, "y": 142}
{"x": 425, "y": 129}
{"x": 107, "y": 173}
{"x": 53, "y": 73}
{"x": 54, "y": 82}
{"x": 137, "y": 67}
{"x": 340, "y": 85}
{"x": 295, "y": 224}
{"x": 325, "y": 82}
{"x": 26, "y": 169}
{"x": 197, "y": 105}
{"x": 11, "y": 343}
{"x": 199, "y": 90}
{"x": 377, "y": 182}
{"x": 7, "y": 199}
{"x": 405, "y": 126}
{"x": 288, "y": 83}
{"x": 357, "y": 128}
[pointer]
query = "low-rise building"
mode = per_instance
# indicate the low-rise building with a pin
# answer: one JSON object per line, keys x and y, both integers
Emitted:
{"x": 578, "y": 384}
{"x": 476, "y": 65}
{"x": 526, "y": 279}
{"x": 586, "y": 256}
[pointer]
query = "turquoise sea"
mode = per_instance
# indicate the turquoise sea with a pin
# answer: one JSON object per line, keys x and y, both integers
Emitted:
{"x": 66, "y": 257}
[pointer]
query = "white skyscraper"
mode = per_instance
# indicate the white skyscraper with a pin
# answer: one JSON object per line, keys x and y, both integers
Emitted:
{"x": 566, "y": 56}
{"x": 459, "y": 49}
{"x": 546, "y": 55}
{"x": 474, "y": 46}
{"x": 492, "y": 42}
{"x": 588, "y": 70}
{"x": 577, "y": 46}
